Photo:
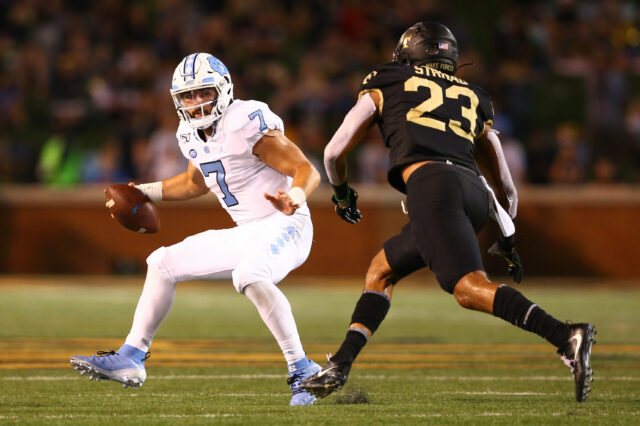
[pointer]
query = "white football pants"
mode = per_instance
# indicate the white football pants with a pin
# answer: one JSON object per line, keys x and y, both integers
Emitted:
{"x": 261, "y": 252}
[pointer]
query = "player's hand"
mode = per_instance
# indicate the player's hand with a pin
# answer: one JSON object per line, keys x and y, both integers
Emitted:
{"x": 348, "y": 209}
{"x": 108, "y": 203}
{"x": 282, "y": 202}
{"x": 505, "y": 248}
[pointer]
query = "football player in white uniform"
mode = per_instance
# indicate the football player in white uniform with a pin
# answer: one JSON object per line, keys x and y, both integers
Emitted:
{"x": 236, "y": 149}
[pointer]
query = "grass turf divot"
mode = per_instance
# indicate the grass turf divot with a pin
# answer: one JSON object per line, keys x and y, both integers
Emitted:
{"x": 349, "y": 396}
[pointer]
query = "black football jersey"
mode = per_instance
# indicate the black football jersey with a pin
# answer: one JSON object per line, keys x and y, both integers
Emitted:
{"x": 426, "y": 114}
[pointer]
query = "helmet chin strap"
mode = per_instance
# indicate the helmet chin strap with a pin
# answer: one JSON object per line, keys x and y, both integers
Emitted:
{"x": 466, "y": 65}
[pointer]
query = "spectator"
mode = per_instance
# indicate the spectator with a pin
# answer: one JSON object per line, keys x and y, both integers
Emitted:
{"x": 163, "y": 156}
{"x": 372, "y": 160}
{"x": 570, "y": 162}
{"x": 553, "y": 62}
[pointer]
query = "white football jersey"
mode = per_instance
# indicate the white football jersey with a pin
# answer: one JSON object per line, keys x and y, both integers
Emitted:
{"x": 230, "y": 169}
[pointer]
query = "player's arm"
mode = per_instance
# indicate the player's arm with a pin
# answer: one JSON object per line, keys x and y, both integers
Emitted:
{"x": 183, "y": 186}
{"x": 351, "y": 131}
{"x": 281, "y": 154}
{"x": 490, "y": 159}
{"x": 492, "y": 163}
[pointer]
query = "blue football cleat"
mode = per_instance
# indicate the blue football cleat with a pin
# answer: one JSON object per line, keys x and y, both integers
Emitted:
{"x": 125, "y": 366}
{"x": 297, "y": 373}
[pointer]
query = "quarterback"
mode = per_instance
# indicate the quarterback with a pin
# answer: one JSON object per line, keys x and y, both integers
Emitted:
{"x": 237, "y": 150}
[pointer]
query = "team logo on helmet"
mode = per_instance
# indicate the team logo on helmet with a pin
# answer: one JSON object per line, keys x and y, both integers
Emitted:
{"x": 217, "y": 65}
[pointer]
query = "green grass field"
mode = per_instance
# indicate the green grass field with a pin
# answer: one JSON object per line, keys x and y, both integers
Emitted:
{"x": 214, "y": 361}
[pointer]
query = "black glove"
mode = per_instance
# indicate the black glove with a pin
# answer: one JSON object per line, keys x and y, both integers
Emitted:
{"x": 505, "y": 248}
{"x": 350, "y": 213}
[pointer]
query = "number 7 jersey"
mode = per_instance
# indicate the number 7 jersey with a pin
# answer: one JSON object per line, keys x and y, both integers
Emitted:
{"x": 233, "y": 173}
{"x": 425, "y": 114}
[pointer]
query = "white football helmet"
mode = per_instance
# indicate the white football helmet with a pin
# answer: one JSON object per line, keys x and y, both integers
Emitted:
{"x": 199, "y": 71}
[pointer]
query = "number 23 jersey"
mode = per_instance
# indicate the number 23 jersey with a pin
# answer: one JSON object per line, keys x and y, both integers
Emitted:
{"x": 233, "y": 173}
{"x": 425, "y": 114}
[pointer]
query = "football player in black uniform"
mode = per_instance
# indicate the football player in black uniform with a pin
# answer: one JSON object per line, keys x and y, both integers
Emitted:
{"x": 438, "y": 130}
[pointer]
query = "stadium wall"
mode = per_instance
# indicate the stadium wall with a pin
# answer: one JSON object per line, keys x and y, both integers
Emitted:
{"x": 583, "y": 231}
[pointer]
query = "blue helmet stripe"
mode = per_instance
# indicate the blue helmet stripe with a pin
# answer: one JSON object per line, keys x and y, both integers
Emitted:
{"x": 188, "y": 66}
{"x": 184, "y": 68}
{"x": 193, "y": 67}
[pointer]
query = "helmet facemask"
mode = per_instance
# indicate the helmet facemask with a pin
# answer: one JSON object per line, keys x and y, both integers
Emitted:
{"x": 195, "y": 74}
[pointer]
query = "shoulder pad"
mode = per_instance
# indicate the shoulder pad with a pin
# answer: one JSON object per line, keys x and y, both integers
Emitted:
{"x": 251, "y": 119}
{"x": 485, "y": 104}
{"x": 384, "y": 75}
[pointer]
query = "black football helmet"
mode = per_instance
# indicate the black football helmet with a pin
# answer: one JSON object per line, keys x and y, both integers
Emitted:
{"x": 428, "y": 43}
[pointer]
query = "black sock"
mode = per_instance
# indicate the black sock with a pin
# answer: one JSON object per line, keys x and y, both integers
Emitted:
{"x": 350, "y": 348}
{"x": 510, "y": 305}
{"x": 369, "y": 311}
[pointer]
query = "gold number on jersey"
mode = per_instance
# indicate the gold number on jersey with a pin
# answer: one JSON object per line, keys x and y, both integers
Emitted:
{"x": 454, "y": 92}
{"x": 367, "y": 78}
{"x": 435, "y": 100}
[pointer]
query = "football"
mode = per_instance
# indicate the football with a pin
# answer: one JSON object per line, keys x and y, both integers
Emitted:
{"x": 132, "y": 209}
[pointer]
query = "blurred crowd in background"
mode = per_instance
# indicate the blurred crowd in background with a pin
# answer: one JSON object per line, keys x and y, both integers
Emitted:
{"x": 84, "y": 86}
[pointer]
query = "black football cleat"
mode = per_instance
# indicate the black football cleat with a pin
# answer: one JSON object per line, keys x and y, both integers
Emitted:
{"x": 576, "y": 354}
{"x": 331, "y": 377}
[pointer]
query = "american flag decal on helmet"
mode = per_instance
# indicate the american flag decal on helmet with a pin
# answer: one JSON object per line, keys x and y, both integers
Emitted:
{"x": 443, "y": 46}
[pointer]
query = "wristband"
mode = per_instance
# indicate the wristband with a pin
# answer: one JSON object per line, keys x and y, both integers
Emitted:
{"x": 297, "y": 195}
{"x": 152, "y": 190}
{"x": 342, "y": 192}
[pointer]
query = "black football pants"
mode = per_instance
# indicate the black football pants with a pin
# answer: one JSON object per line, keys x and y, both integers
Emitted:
{"x": 448, "y": 205}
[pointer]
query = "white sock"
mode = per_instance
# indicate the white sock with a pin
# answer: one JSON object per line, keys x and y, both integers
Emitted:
{"x": 154, "y": 305}
{"x": 275, "y": 311}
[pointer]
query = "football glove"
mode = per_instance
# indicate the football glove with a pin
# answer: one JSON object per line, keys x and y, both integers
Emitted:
{"x": 349, "y": 212}
{"x": 505, "y": 248}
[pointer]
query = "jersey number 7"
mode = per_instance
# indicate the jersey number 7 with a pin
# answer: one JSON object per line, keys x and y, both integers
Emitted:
{"x": 217, "y": 168}
{"x": 435, "y": 100}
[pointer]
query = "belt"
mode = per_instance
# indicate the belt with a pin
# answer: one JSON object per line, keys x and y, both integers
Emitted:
{"x": 457, "y": 165}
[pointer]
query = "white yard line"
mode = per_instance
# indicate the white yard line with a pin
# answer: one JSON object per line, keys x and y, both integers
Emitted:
{"x": 488, "y": 392}
{"x": 223, "y": 415}
{"x": 127, "y": 416}
{"x": 502, "y": 414}
{"x": 360, "y": 376}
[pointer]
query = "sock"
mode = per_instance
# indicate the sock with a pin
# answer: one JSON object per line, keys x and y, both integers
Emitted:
{"x": 353, "y": 343}
{"x": 371, "y": 309}
{"x": 133, "y": 352}
{"x": 275, "y": 311}
{"x": 510, "y": 305}
{"x": 155, "y": 302}
{"x": 299, "y": 365}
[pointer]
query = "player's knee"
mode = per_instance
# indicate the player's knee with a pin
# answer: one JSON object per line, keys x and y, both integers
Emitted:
{"x": 244, "y": 275}
{"x": 467, "y": 289}
{"x": 158, "y": 261}
{"x": 464, "y": 300}
{"x": 379, "y": 275}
